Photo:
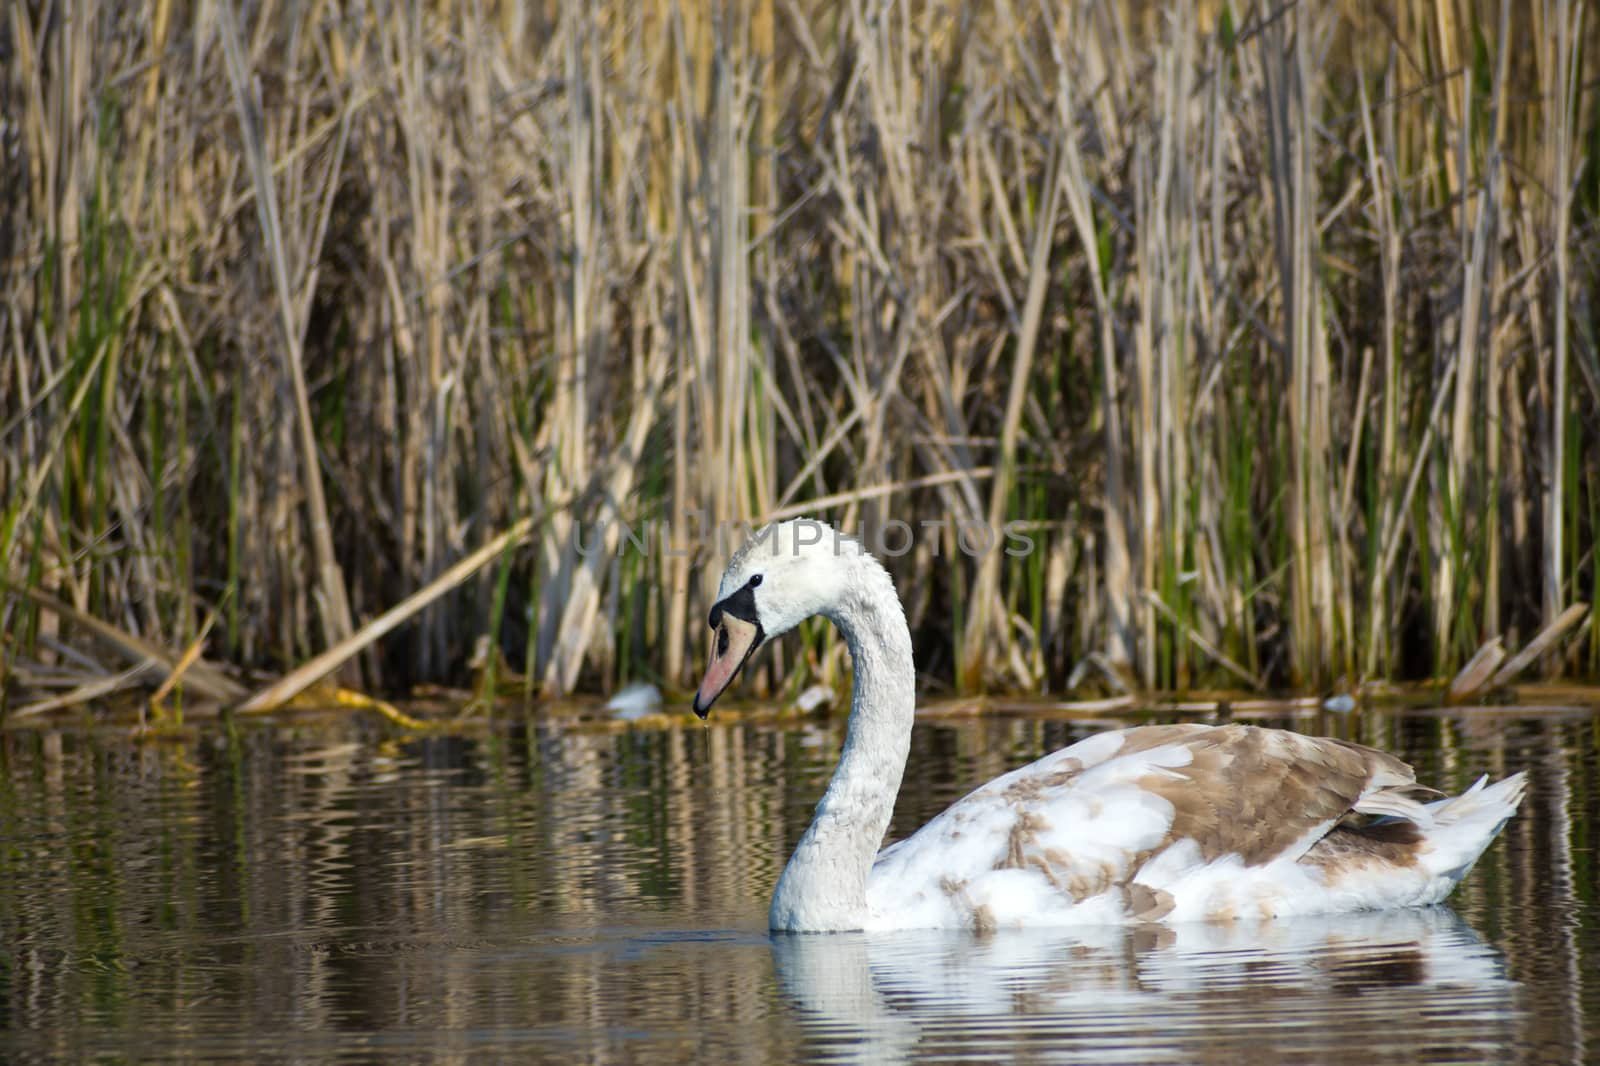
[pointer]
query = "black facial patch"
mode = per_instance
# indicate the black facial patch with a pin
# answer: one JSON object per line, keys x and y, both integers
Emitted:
{"x": 741, "y": 604}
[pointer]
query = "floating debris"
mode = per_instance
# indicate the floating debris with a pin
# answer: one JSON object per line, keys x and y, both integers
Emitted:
{"x": 813, "y": 698}
{"x": 635, "y": 701}
{"x": 1340, "y": 704}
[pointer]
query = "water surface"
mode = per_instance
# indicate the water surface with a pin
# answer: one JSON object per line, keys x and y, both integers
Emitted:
{"x": 319, "y": 890}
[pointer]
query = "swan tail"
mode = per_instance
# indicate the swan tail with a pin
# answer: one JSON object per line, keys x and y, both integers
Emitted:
{"x": 1458, "y": 829}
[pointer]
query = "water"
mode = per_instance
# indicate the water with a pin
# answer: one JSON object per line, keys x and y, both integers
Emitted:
{"x": 317, "y": 890}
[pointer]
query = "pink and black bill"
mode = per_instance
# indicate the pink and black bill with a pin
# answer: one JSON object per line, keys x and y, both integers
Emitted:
{"x": 737, "y": 633}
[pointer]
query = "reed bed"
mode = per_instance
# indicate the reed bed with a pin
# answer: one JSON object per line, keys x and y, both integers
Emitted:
{"x": 1271, "y": 325}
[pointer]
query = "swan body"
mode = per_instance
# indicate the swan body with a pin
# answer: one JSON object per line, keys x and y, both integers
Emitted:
{"x": 1155, "y": 823}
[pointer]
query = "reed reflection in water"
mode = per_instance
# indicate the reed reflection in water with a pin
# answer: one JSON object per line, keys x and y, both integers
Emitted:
{"x": 555, "y": 893}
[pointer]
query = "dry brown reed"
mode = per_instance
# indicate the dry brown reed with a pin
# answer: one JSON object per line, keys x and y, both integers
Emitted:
{"x": 1271, "y": 323}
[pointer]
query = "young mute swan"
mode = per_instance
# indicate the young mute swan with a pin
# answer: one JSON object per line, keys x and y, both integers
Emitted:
{"x": 1155, "y": 823}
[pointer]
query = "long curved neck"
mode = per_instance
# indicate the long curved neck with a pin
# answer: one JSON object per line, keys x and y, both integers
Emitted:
{"x": 824, "y": 886}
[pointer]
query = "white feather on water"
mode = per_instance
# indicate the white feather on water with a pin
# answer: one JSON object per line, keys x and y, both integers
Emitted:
{"x": 635, "y": 701}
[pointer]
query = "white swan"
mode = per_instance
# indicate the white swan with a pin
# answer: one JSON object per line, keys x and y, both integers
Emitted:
{"x": 1155, "y": 823}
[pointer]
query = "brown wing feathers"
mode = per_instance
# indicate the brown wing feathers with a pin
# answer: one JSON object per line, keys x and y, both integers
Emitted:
{"x": 1262, "y": 794}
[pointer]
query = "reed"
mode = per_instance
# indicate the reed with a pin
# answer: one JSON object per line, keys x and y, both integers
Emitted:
{"x": 1271, "y": 323}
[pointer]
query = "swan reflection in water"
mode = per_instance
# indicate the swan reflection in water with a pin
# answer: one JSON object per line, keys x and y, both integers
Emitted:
{"x": 1398, "y": 985}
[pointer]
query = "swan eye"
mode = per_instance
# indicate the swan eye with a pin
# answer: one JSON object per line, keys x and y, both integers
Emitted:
{"x": 754, "y": 581}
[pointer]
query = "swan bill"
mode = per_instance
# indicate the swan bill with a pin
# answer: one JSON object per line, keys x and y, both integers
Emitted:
{"x": 733, "y": 641}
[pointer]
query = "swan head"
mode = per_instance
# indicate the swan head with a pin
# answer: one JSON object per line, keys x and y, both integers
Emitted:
{"x": 782, "y": 575}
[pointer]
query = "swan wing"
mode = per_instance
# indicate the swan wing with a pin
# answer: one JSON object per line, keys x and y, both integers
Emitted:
{"x": 1137, "y": 824}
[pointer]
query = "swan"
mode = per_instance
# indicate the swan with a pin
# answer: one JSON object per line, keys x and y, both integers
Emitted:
{"x": 1157, "y": 823}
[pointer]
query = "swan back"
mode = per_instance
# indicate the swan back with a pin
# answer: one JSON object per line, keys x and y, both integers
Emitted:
{"x": 1178, "y": 822}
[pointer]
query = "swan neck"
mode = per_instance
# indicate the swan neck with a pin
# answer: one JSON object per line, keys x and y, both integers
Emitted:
{"x": 824, "y": 885}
